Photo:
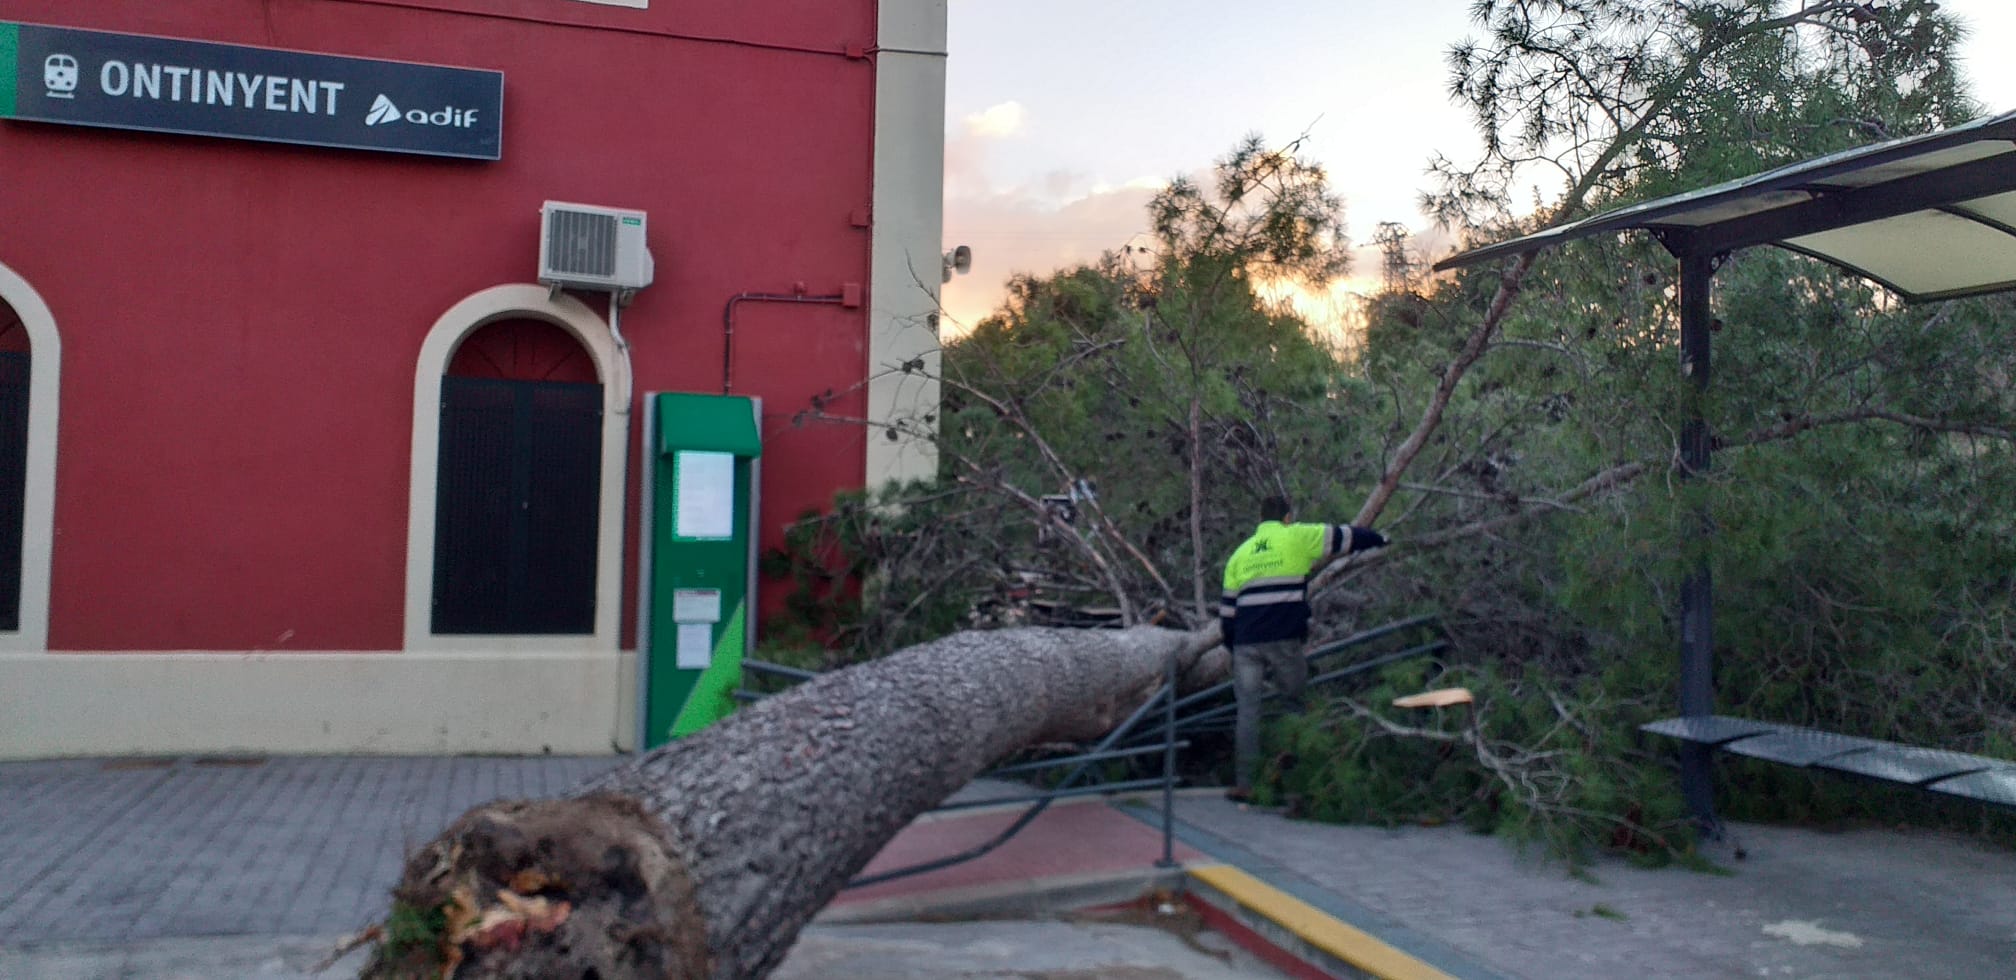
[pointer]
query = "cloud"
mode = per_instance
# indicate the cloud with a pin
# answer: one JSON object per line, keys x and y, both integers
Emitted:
{"x": 1059, "y": 220}
{"x": 1152, "y": 185}
{"x": 1064, "y": 218}
{"x": 967, "y": 146}
{"x": 1040, "y": 222}
{"x": 1036, "y": 223}
{"x": 997, "y": 121}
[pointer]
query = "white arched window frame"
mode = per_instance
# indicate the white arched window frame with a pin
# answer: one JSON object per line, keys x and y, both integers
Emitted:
{"x": 38, "y": 510}
{"x": 511, "y": 302}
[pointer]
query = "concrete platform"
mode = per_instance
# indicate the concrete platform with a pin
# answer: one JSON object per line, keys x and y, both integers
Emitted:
{"x": 131, "y": 868}
{"x": 1872, "y": 903}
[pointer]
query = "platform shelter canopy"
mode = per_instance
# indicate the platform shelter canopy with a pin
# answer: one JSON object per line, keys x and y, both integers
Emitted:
{"x": 1929, "y": 217}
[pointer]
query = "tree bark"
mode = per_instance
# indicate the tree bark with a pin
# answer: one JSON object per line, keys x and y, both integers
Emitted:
{"x": 706, "y": 856}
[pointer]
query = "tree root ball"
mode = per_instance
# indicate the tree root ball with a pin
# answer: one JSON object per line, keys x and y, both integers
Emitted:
{"x": 581, "y": 888}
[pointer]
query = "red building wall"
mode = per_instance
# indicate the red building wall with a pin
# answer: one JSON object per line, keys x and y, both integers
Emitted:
{"x": 240, "y": 321}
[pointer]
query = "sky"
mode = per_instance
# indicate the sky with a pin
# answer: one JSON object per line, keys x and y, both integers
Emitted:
{"x": 1064, "y": 116}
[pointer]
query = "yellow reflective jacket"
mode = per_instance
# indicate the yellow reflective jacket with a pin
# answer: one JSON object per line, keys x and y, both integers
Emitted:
{"x": 1267, "y": 578}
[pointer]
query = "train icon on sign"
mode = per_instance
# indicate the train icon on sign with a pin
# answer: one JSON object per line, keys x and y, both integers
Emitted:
{"x": 59, "y": 76}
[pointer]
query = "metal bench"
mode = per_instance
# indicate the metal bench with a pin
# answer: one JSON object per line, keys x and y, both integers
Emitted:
{"x": 1972, "y": 777}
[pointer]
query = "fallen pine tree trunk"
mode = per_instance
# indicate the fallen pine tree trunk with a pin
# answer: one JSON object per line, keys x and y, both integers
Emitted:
{"x": 706, "y": 856}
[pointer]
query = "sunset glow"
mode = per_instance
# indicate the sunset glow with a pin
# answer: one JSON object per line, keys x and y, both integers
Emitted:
{"x": 1050, "y": 167}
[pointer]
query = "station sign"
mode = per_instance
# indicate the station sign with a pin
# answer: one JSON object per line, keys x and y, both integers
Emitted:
{"x": 167, "y": 85}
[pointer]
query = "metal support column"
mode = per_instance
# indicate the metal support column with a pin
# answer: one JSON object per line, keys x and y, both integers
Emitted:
{"x": 1697, "y": 593}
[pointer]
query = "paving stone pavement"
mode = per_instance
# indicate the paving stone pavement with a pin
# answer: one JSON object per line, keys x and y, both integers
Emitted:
{"x": 135, "y": 850}
{"x": 97, "y": 850}
{"x": 114, "y": 859}
{"x": 1858, "y": 904}
{"x": 1014, "y": 950}
{"x": 993, "y": 950}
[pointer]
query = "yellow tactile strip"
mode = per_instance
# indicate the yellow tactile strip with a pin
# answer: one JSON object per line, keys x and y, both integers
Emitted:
{"x": 1354, "y": 946}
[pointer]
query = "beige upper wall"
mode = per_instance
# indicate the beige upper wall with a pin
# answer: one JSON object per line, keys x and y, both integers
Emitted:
{"x": 909, "y": 231}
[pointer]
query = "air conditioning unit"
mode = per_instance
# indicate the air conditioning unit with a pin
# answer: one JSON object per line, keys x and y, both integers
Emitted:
{"x": 589, "y": 247}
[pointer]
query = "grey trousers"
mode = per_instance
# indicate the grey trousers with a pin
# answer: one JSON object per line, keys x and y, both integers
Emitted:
{"x": 1258, "y": 670}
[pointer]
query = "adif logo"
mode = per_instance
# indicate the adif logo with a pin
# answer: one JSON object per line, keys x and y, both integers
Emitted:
{"x": 59, "y": 76}
{"x": 383, "y": 111}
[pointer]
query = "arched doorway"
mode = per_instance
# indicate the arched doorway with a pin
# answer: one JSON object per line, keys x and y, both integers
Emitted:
{"x": 31, "y": 361}
{"x": 16, "y": 373}
{"x": 515, "y": 520}
{"x": 518, "y": 486}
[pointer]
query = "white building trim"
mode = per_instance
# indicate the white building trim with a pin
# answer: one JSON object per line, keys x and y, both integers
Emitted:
{"x": 38, "y": 515}
{"x": 909, "y": 218}
{"x": 523, "y": 301}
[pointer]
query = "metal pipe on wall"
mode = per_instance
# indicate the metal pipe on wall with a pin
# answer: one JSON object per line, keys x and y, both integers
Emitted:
{"x": 728, "y": 324}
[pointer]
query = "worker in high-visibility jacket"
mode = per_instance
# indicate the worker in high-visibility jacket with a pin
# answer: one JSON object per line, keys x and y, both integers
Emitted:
{"x": 1265, "y": 615}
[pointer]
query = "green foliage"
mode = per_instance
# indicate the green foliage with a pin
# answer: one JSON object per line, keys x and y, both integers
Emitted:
{"x": 1860, "y": 540}
{"x": 1860, "y": 569}
{"x": 1269, "y": 214}
{"x": 1628, "y": 98}
{"x": 410, "y": 930}
{"x": 1083, "y": 390}
{"x": 1339, "y": 768}
{"x": 1089, "y": 380}
{"x": 873, "y": 573}
{"x": 1268, "y": 393}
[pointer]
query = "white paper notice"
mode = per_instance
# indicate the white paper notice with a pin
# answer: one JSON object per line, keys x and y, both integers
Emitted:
{"x": 695, "y": 649}
{"x": 706, "y": 496}
{"x": 696, "y": 605}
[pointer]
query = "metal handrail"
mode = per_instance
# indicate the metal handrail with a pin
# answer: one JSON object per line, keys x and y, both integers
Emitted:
{"x": 1188, "y": 722}
{"x": 766, "y": 667}
{"x": 1167, "y": 698}
{"x": 1042, "y": 764}
{"x": 1335, "y": 646}
{"x": 1165, "y": 693}
{"x": 1092, "y": 790}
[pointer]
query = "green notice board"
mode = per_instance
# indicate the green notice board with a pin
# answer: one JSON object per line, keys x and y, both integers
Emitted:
{"x": 704, "y": 451}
